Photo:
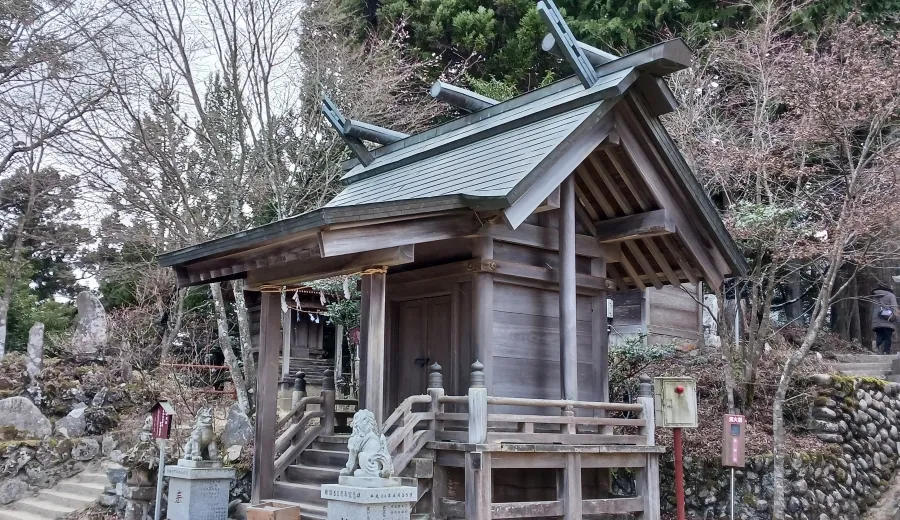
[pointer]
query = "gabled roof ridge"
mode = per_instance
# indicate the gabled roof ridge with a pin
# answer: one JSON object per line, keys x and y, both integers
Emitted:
{"x": 657, "y": 59}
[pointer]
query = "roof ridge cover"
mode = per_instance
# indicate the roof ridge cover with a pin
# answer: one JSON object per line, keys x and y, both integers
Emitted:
{"x": 561, "y": 101}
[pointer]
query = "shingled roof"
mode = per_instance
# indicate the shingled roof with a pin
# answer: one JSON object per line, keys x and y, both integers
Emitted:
{"x": 509, "y": 158}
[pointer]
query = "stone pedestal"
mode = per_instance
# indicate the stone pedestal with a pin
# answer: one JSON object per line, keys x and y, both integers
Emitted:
{"x": 369, "y": 499}
{"x": 198, "y": 490}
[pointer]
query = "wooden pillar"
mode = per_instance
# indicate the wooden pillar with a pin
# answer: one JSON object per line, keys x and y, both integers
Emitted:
{"x": 338, "y": 352}
{"x": 483, "y": 312}
{"x": 568, "y": 487}
{"x": 647, "y": 478}
{"x": 568, "y": 348}
{"x": 478, "y": 485}
{"x": 372, "y": 380}
{"x": 266, "y": 398}
{"x": 599, "y": 337}
{"x": 286, "y": 330}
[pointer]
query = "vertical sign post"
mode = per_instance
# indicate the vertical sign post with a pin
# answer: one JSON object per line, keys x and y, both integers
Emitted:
{"x": 733, "y": 439}
{"x": 676, "y": 408}
{"x": 162, "y": 414}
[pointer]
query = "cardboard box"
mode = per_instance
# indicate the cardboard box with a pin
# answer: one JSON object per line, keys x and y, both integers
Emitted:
{"x": 273, "y": 510}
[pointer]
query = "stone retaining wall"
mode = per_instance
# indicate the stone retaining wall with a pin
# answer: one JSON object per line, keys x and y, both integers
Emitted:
{"x": 859, "y": 419}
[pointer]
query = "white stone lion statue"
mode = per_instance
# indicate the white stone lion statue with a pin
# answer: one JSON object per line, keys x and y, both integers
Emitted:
{"x": 369, "y": 456}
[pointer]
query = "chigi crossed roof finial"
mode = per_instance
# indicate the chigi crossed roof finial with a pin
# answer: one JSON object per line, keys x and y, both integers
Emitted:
{"x": 570, "y": 48}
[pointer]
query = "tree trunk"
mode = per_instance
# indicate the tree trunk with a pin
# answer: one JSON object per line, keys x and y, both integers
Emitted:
{"x": 794, "y": 309}
{"x": 852, "y": 295}
{"x": 175, "y": 328}
{"x": 243, "y": 317}
{"x": 237, "y": 375}
{"x": 820, "y": 311}
{"x": 12, "y": 270}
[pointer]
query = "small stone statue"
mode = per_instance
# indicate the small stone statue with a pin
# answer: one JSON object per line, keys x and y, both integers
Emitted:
{"x": 369, "y": 456}
{"x": 202, "y": 443}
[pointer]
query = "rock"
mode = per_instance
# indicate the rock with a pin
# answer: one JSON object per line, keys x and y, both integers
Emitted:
{"x": 830, "y": 437}
{"x": 820, "y": 379}
{"x": 16, "y": 460}
{"x": 827, "y": 414}
{"x": 100, "y": 419}
{"x": 234, "y": 452}
{"x": 38, "y": 475}
{"x": 800, "y": 487}
{"x": 12, "y": 489}
{"x": 91, "y": 329}
{"x": 239, "y": 429}
{"x": 85, "y": 450}
{"x": 21, "y": 414}
{"x": 793, "y": 504}
{"x": 117, "y": 474}
{"x": 72, "y": 425}
{"x": 108, "y": 444}
{"x": 100, "y": 397}
{"x": 34, "y": 363}
{"x": 107, "y": 500}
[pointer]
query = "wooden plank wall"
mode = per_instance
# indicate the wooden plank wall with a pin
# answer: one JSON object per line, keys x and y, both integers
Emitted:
{"x": 669, "y": 314}
{"x": 526, "y": 343}
{"x": 305, "y": 336}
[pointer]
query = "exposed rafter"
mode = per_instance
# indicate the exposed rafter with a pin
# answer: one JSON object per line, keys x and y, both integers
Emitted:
{"x": 568, "y": 45}
{"x": 460, "y": 97}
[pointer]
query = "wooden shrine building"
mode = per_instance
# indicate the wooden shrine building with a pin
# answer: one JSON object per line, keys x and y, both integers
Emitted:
{"x": 488, "y": 246}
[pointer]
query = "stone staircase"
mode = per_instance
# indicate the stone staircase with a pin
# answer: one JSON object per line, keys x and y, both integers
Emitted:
{"x": 866, "y": 365}
{"x": 313, "y": 368}
{"x": 68, "y": 496}
{"x": 322, "y": 462}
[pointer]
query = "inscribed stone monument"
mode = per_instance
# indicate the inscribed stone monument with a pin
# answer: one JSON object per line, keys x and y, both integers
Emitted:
{"x": 710, "y": 325}
{"x": 90, "y": 332}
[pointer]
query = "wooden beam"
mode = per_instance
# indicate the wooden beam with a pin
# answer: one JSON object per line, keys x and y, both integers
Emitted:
{"x": 391, "y": 234}
{"x": 478, "y": 486}
{"x": 556, "y": 166}
{"x": 645, "y": 205}
{"x": 460, "y": 97}
{"x": 568, "y": 45}
{"x": 483, "y": 314}
{"x": 550, "y": 203}
{"x": 599, "y": 338}
{"x": 568, "y": 488}
{"x": 374, "y": 294}
{"x": 549, "y": 278}
{"x": 548, "y": 238}
{"x": 263, "y": 483}
{"x": 638, "y": 225}
{"x": 594, "y": 55}
{"x": 568, "y": 346}
{"x": 287, "y": 328}
{"x": 667, "y": 200}
{"x": 338, "y": 121}
{"x": 373, "y": 133}
{"x": 318, "y": 268}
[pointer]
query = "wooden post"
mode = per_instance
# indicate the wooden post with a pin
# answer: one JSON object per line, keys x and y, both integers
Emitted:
{"x": 298, "y": 394}
{"x": 439, "y": 481}
{"x": 647, "y": 478}
{"x": 266, "y": 398}
{"x": 478, "y": 485}
{"x": 478, "y": 415}
{"x": 338, "y": 352}
{"x": 483, "y": 311}
{"x": 286, "y": 340}
{"x": 568, "y": 487}
{"x": 374, "y": 296}
{"x": 568, "y": 337}
{"x": 328, "y": 402}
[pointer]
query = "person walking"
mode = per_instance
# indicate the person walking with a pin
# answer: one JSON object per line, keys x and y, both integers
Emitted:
{"x": 884, "y": 317}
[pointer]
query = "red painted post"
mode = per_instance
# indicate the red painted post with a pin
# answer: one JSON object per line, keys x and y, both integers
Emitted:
{"x": 679, "y": 474}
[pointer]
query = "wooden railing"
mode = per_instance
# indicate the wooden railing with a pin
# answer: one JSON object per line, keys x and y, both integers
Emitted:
{"x": 305, "y": 425}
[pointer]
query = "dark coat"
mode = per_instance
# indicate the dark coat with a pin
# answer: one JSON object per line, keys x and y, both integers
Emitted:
{"x": 882, "y": 298}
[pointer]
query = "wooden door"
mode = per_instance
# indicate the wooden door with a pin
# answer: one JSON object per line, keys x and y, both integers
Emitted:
{"x": 423, "y": 333}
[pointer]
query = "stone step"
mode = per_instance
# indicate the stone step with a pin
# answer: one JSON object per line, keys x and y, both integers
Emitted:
{"x": 314, "y": 457}
{"x": 90, "y": 477}
{"x": 302, "y": 493}
{"x": 85, "y": 489}
{"x": 866, "y": 373}
{"x": 305, "y": 474}
{"x": 43, "y": 508}
{"x": 72, "y": 500}
{"x": 864, "y": 358}
{"x": 877, "y": 367}
{"x": 6, "y": 514}
{"x": 893, "y": 378}
{"x": 330, "y": 445}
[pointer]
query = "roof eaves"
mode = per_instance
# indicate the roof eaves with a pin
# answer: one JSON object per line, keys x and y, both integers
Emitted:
{"x": 322, "y": 217}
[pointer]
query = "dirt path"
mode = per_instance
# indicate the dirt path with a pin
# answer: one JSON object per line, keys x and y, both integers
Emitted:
{"x": 886, "y": 508}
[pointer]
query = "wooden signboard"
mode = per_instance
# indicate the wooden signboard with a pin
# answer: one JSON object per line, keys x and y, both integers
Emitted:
{"x": 162, "y": 414}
